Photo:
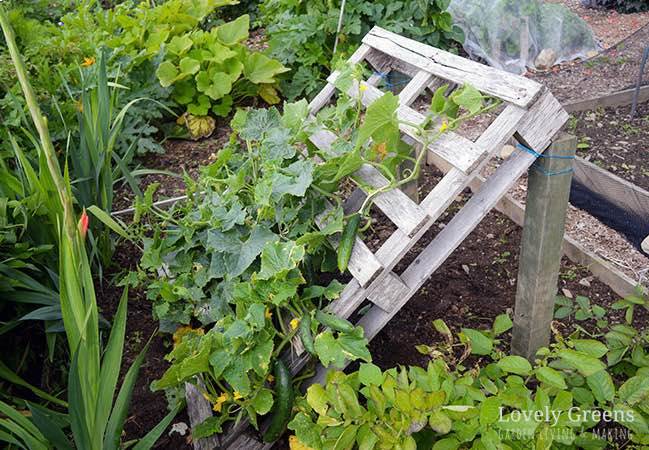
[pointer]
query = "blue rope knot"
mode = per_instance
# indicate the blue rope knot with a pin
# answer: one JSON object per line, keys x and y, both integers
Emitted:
{"x": 545, "y": 172}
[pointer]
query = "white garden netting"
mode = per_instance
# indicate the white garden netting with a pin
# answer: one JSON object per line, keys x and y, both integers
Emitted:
{"x": 515, "y": 34}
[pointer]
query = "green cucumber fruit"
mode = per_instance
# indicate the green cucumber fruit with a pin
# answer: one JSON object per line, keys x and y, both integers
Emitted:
{"x": 305, "y": 334}
{"x": 347, "y": 241}
{"x": 334, "y": 322}
{"x": 283, "y": 406}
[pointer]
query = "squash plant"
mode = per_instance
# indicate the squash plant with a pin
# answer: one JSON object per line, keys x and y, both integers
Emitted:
{"x": 566, "y": 400}
{"x": 235, "y": 272}
{"x": 302, "y": 34}
{"x": 212, "y": 70}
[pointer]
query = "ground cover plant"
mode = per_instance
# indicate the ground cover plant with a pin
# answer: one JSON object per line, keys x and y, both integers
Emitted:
{"x": 303, "y": 34}
{"x": 575, "y": 389}
{"x": 154, "y": 51}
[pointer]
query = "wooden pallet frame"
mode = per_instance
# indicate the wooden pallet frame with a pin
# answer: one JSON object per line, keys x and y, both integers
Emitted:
{"x": 531, "y": 115}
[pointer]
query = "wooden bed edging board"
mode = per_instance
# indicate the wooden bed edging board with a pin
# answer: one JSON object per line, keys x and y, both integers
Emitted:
{"x": 620, "y": 283}
{"x": 618, "y": 191}
{"x": 620, "y": 98}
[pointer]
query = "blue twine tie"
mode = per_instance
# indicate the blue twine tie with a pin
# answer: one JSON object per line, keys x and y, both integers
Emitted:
{"x": 386, "y": 80}
{"x": 547, "y": 173}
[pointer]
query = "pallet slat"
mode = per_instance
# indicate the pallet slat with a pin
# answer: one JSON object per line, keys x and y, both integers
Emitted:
{"x": 508, "y": 87}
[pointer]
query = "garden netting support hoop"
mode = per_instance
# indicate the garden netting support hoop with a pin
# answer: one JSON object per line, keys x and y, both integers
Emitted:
{"x": 530, "y": 114}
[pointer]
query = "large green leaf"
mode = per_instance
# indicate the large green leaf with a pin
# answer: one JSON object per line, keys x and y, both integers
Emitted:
{"x": 115, "y": 424}
{"x": 234, "y": 32}
{"x": 260, "y": 69}
{"x": 167, "y": 73}
{"x": 51, "y": 424}
{"x": 601, "y": 384}
{"x": 551, "y": 377}
{"x": 515, "y": 364}
{"x": 480, "y": 344}
{"x": 278, "y": 258}
{"x": 179, "y": 45}
{"x": 584, "y": 363}
{"x": 381, "y": 116}
{"x": 111, "y": 364}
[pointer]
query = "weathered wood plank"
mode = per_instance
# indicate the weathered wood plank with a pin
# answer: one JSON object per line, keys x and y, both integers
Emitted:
{"x": 449, "y": 238}
{"x": 415, "y": 87}
{"x": 199, "y": 409}
{"x": 396, "y": 205}
{"x": 378, "y": 61}
{"x": 618, "y": 191}
{"x": 376, "y": 318}
{"x": 388, "y": 289}
{"x": 538, "y": 267}
{"x": 621, "y": 98}
{"x": 547, "y": 117}
{"x": 608, "y": 274}
{"x": 506, "y": 86}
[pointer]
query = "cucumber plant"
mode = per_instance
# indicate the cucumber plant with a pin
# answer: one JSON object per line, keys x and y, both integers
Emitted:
{"x": 243, "y": 256}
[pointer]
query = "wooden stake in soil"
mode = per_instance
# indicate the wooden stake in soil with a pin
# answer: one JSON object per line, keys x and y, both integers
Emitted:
{"x": 545, "y": 216}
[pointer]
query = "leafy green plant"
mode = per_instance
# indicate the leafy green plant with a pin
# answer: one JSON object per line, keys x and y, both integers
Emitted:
{"x": 212, "y": 70}
{"x": 96, "y": 411}
{"x": 561, "y": 401}
{"x": 234, "y": 271}
{"x": 580, "y": 308}
{"x": 631, "y": 302}
{"x": 302, "y": 34}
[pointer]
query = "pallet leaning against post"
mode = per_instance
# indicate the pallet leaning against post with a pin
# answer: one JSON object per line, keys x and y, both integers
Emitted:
{"x": 531, "y": 115}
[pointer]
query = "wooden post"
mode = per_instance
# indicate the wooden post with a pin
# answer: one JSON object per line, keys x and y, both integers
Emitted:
{"x": 548, "y": 190}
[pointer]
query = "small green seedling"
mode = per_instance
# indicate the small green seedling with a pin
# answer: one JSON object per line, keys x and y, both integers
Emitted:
{"x": 581, "y": 308}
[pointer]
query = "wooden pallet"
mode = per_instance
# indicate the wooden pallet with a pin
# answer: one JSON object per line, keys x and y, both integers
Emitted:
{"x": 531, "y": 115}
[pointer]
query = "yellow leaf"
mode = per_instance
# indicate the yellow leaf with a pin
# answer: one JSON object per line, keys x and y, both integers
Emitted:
{"x": 182, "y": 331}
{"x": 199, "y": 127}
{"x": 295, "y": 444}
{"x": 269, "y": 94}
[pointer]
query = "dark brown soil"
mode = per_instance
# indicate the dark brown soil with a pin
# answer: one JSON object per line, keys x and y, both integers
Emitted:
{"x": 147, "y": 407}
{"x": 613, "y": 141}
{"x": 180, "y": 157}
{"x": 476, "y": 283}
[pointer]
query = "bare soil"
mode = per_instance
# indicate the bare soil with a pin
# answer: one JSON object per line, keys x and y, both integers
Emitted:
{"x": 612, "y": 140}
